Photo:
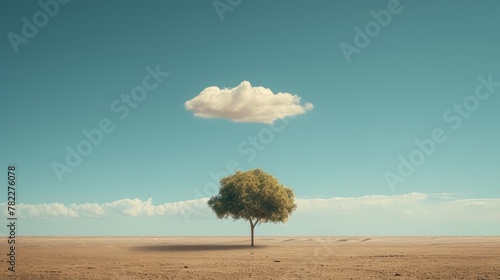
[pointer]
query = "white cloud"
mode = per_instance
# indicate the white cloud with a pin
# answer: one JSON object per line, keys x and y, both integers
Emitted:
{"x": 417, "y": 205}
{"x": 476, "y": 203}
{"x": 124, "y": 207}
{"x": 52, "y": 210}
{"x": 363, "y": 202}
{"x": 405, "y": 214}
{"x": 417, "y": 208}
{"x": 245, "y": 103}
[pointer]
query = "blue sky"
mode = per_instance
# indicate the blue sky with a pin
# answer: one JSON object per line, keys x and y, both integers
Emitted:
{"x": 336, "y": 147}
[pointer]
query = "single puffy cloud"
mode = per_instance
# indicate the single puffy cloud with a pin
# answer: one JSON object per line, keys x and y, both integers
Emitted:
{"x": 245, "y": 103}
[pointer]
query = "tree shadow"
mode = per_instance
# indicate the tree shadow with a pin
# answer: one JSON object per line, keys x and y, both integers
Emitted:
{"x": 196, "y": 247}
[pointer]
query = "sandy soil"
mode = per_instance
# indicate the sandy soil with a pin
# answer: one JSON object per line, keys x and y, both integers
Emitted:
{"x": 272, "y": 258}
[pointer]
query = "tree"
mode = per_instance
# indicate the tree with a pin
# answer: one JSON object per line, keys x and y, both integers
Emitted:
{"x": 255, "y": 196}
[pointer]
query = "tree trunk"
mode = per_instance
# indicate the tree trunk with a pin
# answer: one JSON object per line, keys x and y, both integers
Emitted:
{"x": 252, "y": 226}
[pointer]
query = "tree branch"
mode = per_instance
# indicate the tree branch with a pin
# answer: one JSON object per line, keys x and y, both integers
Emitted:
{"x": 256, "y": 221}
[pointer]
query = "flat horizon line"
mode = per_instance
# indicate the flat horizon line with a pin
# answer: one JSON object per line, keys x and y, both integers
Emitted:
{"x": 244, "y": 236}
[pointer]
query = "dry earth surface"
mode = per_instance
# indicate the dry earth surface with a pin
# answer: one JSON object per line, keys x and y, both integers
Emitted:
{"x": 272, "y": 258}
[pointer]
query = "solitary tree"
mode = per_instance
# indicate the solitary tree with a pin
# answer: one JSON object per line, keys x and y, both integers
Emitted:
{"x": 254, "y": 196}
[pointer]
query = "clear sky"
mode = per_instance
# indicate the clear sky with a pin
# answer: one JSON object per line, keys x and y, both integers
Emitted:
{"x": 327, "y": 96}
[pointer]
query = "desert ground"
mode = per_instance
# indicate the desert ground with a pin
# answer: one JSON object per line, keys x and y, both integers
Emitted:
{"x": 272, "y": 258}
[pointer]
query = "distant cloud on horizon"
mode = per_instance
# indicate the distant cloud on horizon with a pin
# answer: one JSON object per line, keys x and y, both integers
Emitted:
{"x": 245, "y": 103}
{"x": 118, "y": 208}
{"x": 408, "y": 205}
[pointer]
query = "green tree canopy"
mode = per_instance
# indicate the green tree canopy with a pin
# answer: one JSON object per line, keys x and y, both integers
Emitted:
{"x": 255, "y": 196}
